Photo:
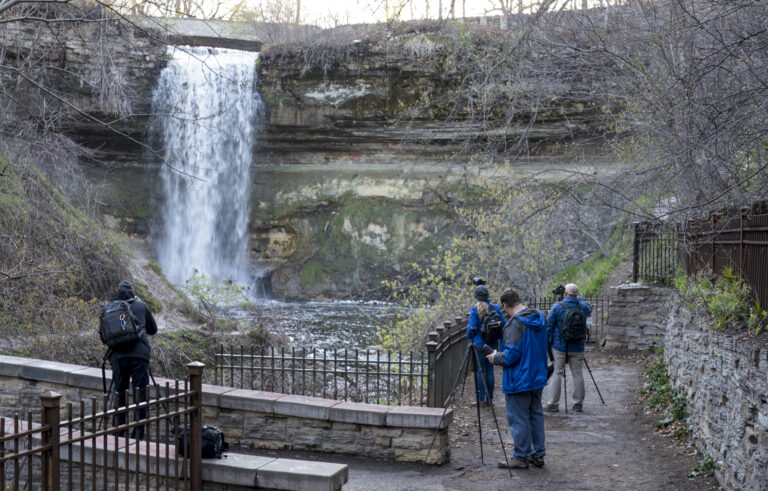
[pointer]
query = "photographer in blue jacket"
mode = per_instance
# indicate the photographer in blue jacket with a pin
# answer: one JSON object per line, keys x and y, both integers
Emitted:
{"x": 477, "y": 314}
{"x": 523, "y": 354}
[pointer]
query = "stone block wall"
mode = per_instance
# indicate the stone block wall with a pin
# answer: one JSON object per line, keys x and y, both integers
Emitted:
{"x": 723, "y": 377}
{"x": 254, "y": 419}
{"x": 637, "y": 317}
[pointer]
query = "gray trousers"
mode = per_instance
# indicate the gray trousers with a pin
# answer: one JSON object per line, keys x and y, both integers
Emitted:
{"x": 575, "y": 363}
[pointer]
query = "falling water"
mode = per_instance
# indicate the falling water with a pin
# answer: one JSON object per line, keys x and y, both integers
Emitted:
{"x": 207, "y": 112}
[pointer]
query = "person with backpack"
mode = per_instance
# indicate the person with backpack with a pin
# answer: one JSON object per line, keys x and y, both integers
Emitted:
{"x": 484, "y": 327}
{"x": 125, "y": 323}
{"x": 567, "y": 332}
{"x": 523, "y": 354}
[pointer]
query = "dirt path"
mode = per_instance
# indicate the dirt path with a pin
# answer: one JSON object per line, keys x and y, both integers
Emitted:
{"x": 605, "y": 447}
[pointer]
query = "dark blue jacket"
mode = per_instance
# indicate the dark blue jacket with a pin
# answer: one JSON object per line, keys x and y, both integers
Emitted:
{"x": 555, "y": 319}
{"x": 474, "y": 323}
{"x": 523, "y": 352}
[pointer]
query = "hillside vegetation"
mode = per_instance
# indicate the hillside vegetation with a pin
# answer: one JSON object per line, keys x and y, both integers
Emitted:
{"x": 56, "y": 268}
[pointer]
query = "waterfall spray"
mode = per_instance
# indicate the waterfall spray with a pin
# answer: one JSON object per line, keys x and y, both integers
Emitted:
{"x": 207, "y": 113}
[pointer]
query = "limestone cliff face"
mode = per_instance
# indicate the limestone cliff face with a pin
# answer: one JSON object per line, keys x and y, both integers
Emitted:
{"x": 346, "y": 173}
{"x": 87, "y": 61}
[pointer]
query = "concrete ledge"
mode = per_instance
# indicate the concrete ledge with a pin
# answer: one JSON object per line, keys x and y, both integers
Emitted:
{"x": 304, "y": 407}
{"x": 250, "y": 400}
{"x": 234, "y": 469}
{"x": 88, "y": 378}
{"x": 48, "y": 371}
{"x": 364, "y": 414}
{"x": 299, "y": 475}
{"x": 10, "y": 366}
{"x": 419, "y": 417}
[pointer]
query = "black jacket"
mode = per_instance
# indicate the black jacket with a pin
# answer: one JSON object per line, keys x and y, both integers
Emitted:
{"x": 145, "y": 322}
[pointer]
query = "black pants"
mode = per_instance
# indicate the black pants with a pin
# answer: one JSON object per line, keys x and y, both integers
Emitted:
{"x": 133, "y": 373}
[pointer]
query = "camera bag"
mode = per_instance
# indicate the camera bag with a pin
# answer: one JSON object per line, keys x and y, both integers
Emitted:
{"x": 492, "y": 326}
{"x": 118, "y": 328}
{"x": 212, "y": 442}
{"x": 574, "y": 323}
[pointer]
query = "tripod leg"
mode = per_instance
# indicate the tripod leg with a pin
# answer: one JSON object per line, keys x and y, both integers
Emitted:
{"x": 593, "y": 381}
{"x": 565, "y": 384}
{"x": 476, "y": 361}
{"x": 448, "y": 401}
{"x": 495, "y": 420}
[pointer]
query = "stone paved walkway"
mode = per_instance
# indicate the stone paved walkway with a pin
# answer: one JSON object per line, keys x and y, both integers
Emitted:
{"x": 605, "y": 447}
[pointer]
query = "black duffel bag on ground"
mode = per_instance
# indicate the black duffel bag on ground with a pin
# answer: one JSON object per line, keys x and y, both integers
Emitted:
{"x": 212, "y": 442}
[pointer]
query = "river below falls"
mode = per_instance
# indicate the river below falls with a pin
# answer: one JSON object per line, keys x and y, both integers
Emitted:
{"x": 325, "y": 325}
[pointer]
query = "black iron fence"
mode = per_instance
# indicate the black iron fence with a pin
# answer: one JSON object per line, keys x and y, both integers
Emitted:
{"x": 370, "y": 376}
{"x": 736, "y": 240}
{"x": 739, "y": 242}
{"x": 98, "y": 446}
{"x": 421, "y": 378}
{"x": 657, "y": 251}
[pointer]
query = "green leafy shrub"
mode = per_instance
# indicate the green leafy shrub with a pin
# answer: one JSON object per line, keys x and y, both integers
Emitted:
{"x": 704, "y": 467}
{"x": 727, "y": 300}
{"x": 213, "y": 298}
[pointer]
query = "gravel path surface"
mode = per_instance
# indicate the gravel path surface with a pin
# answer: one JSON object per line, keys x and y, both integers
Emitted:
{"x": 605, "y": 447}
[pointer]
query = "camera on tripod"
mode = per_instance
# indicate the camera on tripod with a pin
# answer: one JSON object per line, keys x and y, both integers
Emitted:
{"x": 559, "y": 292}
{"x": 477, "y": 281}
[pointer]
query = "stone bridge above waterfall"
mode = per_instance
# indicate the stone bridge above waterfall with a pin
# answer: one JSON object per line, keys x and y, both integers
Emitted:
{"x": 246, "y": 36}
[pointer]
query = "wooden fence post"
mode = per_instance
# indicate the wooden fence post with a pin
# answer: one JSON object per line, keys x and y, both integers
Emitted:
{"x": 50, "y": 402}
{"x": 196, "y": 425}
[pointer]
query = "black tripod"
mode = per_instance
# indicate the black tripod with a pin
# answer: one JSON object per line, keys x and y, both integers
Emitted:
{"x": 471, "y": 354}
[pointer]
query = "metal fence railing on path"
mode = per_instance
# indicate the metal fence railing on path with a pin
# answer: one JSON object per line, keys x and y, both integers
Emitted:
{"x": 737, "y": 240}
{"x": 98, "y": 446}
{"x": 369, "y": 376}
{"x": 421, "y": 378}
{"x": 657, "y": 251}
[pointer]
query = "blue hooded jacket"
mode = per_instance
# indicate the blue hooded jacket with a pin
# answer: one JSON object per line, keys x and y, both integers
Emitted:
{"x": 523, "y": 352}
{"x": 474, "y": 323}
{"x": 555, "y": 318}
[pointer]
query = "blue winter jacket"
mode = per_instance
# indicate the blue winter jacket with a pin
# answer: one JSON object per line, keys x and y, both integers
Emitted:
{"x": 474, "y": 323}
{"x": 523, "y": 352}
{"x": 555, "y": 319}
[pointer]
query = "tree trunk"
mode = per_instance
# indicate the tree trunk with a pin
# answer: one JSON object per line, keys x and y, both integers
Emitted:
{"x": 298, "y": 12}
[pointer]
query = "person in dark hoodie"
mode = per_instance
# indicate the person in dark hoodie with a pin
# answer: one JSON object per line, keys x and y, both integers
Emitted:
{"x": 483, "y": 368}
{"x": 523, "y": 354}
{"x": 130, "y": 367}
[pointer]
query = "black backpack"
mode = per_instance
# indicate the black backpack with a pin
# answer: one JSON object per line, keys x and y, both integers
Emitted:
{"x": 212, "y": 442}
{"x": 118, "y": 328}
{"x": 573, "y": 326}
{"x": 492, "y": 326}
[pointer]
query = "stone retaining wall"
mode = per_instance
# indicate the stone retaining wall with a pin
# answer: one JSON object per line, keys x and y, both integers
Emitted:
{"x": 255, "y": 419}
{"x": 724, "y": 379}
{"x": 636, "y": 317}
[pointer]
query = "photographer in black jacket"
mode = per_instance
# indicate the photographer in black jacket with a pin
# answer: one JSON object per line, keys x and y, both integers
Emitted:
{"x": 130, "y": 366}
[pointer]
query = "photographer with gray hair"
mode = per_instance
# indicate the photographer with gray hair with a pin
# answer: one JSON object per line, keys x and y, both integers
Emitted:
{"x": 566, "y": 333}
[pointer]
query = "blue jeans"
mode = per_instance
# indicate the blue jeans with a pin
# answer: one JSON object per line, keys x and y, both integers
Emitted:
{"x": 483, "y": 367}
{"x": 526, "y": 423}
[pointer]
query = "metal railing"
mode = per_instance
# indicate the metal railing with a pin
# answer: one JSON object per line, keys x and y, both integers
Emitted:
{"x": 657, "y": 251}
{"x": 739, "y": 241}
{"x": 369, "y": 376}
{"x": 98, "y": 446}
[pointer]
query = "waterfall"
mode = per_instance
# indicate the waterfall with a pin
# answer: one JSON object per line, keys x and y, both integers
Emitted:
{"x": 207, "y": 110}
